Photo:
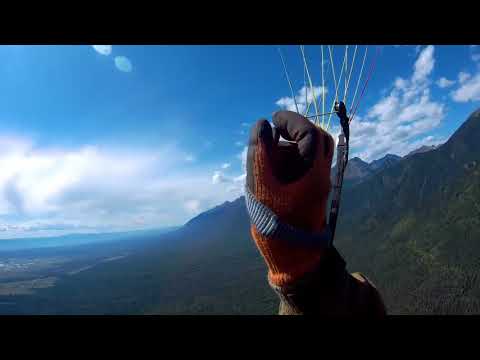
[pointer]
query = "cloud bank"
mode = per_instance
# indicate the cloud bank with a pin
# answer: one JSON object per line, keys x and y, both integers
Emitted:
{"x": 52, "y": 191}
{"x": 469, "y": 89}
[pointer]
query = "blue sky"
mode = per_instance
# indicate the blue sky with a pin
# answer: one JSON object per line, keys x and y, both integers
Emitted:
{"x": 111, "y": 138}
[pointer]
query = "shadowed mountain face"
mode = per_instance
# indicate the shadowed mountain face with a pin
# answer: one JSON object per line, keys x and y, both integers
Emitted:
{"x": 359, "y": 170}
{"x": 387, "y": 161}
{"x": 412, "y": 226}
{"x": 421, "y": 150}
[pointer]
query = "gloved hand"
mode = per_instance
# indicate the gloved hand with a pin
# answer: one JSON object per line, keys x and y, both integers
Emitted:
{"x": 288, "y": 184}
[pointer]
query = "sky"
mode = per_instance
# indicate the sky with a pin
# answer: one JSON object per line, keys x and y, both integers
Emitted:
{"x": 101, "y": 138}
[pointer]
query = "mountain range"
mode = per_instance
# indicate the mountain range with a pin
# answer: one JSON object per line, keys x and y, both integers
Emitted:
{"x": 413, "y": 227}
{"x": 411, "y": 224}
{"x": 358, "y": 170}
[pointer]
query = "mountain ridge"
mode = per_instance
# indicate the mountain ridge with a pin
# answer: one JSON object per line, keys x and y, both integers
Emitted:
{"x": 412, "y": 228}
{"x": 389, "y": 229}
{"x": 408, "y": 217}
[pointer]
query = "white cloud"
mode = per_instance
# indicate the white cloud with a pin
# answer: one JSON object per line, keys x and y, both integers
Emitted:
{"x": 245, "y": 124}
{"x": 424, "y": 64}
{"x": 400, "y": 119}
{"x": 123, "y": 64}
{"x": 234, "y": 184}
{"x": 240, "y": 178}
{"x": 401, "y": 83}
{"x": 225, "y": 166}
{"x": 243, "y": 157}
{"x": 287, "y": 103}
{"x": 52, "y": 191}
{"x": 218, "y": 177}
{"x": 192, "y": 206}
{"x": 303, "y": 98}
{"x": 239, "y": 143}
{"x": 469, "y": 90}
{"x": 444, "y": 82}
{"x": 463, "y": 76}
{"x": 405, "y": 115}
{"x": 424, "y": 141}
{"x": 103, "y": 49}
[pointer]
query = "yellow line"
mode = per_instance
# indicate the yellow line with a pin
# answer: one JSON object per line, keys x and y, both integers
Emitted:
{"x": 310, "y": 82}
{"x": 359, "y": 78}
{"x": 288, "y": 79}
{"x": 336, "y": 93}
{"x": 349, "y": 76}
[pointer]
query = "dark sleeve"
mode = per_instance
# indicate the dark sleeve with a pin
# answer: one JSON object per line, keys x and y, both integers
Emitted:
{"x": 331, "y": 291}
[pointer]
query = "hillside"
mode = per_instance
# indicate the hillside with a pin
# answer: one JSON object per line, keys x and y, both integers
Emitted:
{"x": 209, "y": 266}
{"x": 386, "y": 161}
{"x": 412, "y": 227}
{"x": 421, "y": 149}
{"x": 358, "y": 170}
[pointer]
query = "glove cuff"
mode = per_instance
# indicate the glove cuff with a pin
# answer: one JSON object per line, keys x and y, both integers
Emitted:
{"x": 317, "y": 291}
{"x": 288, "y": 251}
{"x": 268, "y": 224}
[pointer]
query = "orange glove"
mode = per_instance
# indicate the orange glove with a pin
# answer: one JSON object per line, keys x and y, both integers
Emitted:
{"x": 288, "y": 184}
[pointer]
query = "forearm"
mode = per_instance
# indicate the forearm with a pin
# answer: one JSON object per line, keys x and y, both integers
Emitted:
{"x": 330, "y": 291}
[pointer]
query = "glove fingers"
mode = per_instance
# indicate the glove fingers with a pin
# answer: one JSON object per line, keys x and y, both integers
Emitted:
{"x": 285, "y": 162}
{"x": 289, "y": 165}
{"x": 281, "y": 160}
{"x": 311, "y": 141}
{"x": 295, "y": 127}
{"x": 261, "y": 141}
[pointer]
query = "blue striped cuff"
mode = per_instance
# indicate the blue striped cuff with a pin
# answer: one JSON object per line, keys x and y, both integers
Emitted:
{"x": 268, "y": 224}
